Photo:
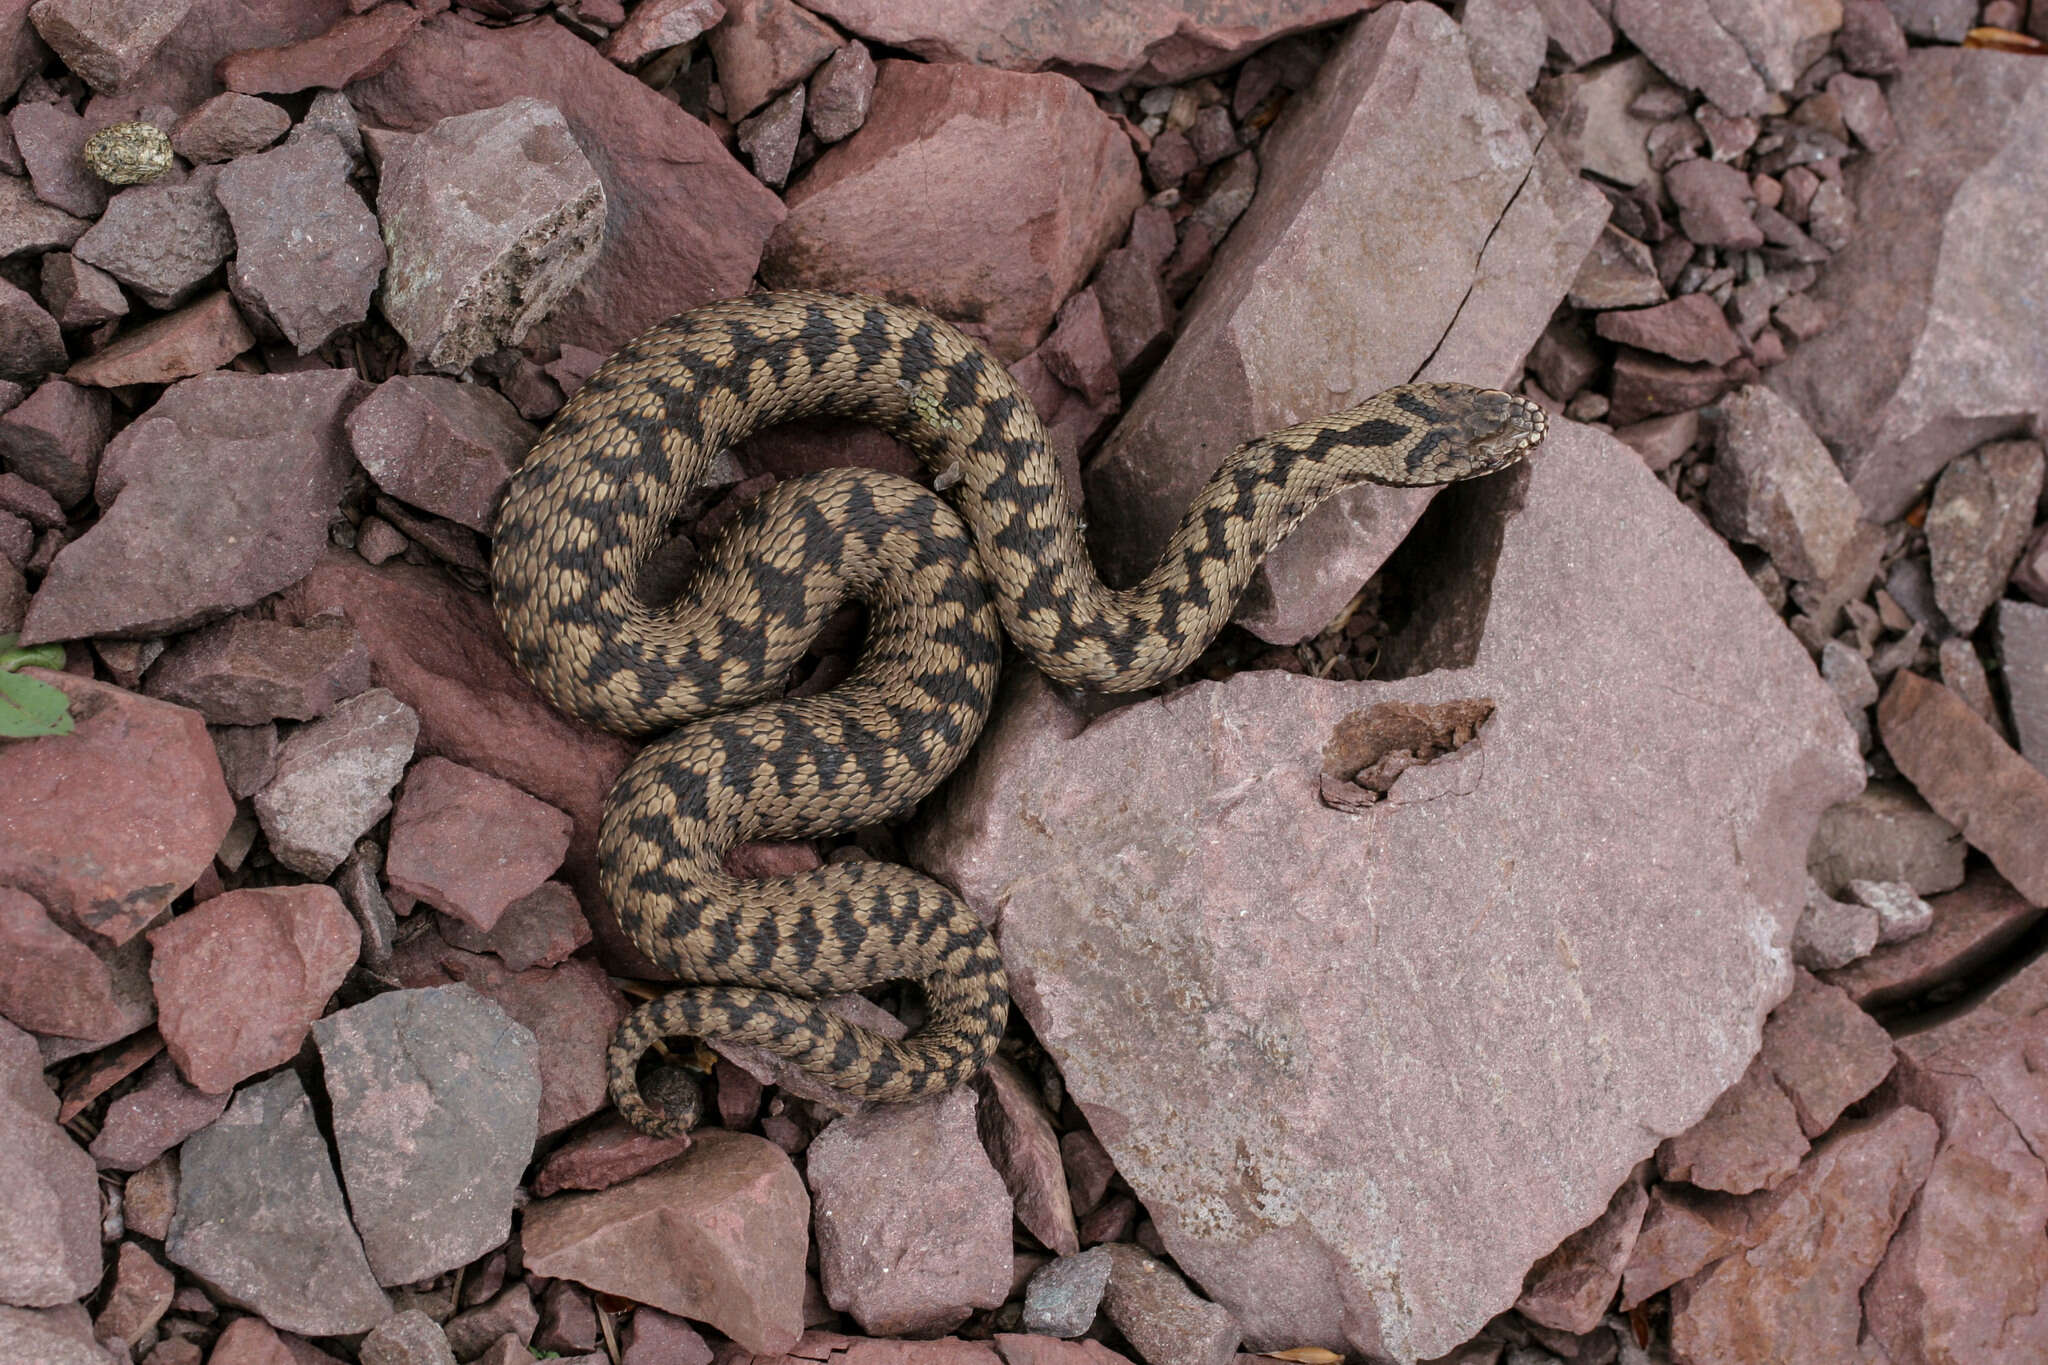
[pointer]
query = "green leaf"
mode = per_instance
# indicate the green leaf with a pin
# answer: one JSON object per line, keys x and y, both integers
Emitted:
{"x": 13, "y": 656}
{"x": 30, "y": 708}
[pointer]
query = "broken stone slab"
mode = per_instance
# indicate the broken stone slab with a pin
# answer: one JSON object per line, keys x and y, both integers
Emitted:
{"x": 1977, "y": 524}
{"x": 1149, "y": 43}
{"x": 50, "y": 140}
{"x": 1901, "y": 914}
{"x": 1018, "y": 1134}
{"x": 1331, "y": 290}
{"x": 1265, "y": 911}
{"x": 162, "y": 240}
{"x": 31, "y": 342}
{"x": 334, "y": 780}
{"x": 766, "y": 47}
{"x": 571, "y": 1009}
{"x": 1570, "y": 1289}
{"x": 684, "y": 222}
{"x": 308, "y": 251}
{"x": 1750, "y": 1139}
{"x": 1774, "y": 485}
{"x": 471, "y": 844}
{"x": 492, "y": 218}
{"x": 161, "y": 1112}
{"x": 54, "y": 983}
{"x": 171, "y": 550}
{"x": 444, "y": 447}
{"x": 659, "y": 25}
{"x": 357, "y": 46}
{"x": 436, "y": 1097}
{"x": 197, "y": 338}
{"x": 1973, "y": 927}
{"x": 1824, "y": 1052}
{"x": 227, "y": 126}
{"x": 1886, "y": 833}
{"x": 1737, "y": 53}
{"x": 107, "y": 41}
{"x": 1019, "y": 179}
{"x": 50, "y": 1221}
{"x": 261, "y": 1222}
{"x": 28, "y": 224}
{"x": 53, "y": 437}
{"x": 1935, "y": 351}
{"x": 249, "y": 671}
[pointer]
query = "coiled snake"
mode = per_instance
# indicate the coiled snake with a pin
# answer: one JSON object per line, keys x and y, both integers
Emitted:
{"x": 595, "y": 499}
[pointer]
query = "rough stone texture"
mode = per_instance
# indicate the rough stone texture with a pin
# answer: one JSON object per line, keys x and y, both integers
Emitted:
{"x": 1683, "y": 1232}
{"x": 1886, "y": 833}
{"x": 684, "y": 222}
{"x": 1833, "y": 933}
{"x": 1330, "y": 289}
{"x": 444, "y": 447}
{"x": 2023, "y": 642}
{"x": 52, "y": 1336}
{"x": 217, "y": 497}
{"x": 1573, "y": 645}
{"x": 469, "y": 843}
{"x": 764, "y": 47}
{"x": 841, "y": 92}
{"x": 1715, "y": 204}
{"x": 28, "y": 224}
{"x": 261, "y": 1221}
{"x": 492, "y": 218}
{"x": 539, "y": 929}
{"x": 53, "y": 437}
{"x": 358, "y": 46}
{"x": 140, "y": 1295}
{"x": 199, "y": 337}
{"x": 31, "y": 343}
{"x": 1938, "y": 343}
{"x": 106, "y": 825}
{"x": 1570, "y": 1289}
{"x": 599, "y": 1157}
{"x": 227, "y": 126}
{"x": 248, "y": 670}
{"x": 436, "y": 1099}
{"x": 162, "y": 240}
{"x": 1813, "y": 1242}
{"x": 1019, "y": 1138}
{"x": 1153, "y": 42}
{"x": 54, "y": 984}
{"x": 154, "y": 1117}
{"x": 1690, "y": 327}
{"x": 106, "y": 41}
{"x": 1749, "y": 1140}
{"x": 408, "y": 1338}
{"x": 1901, "y": 914}
{"x": 1052, "y": 185}
{"x": 1824, "y": 1052}
{"x": 1163, "y": 1319}
{"x": 334, "y": 780}
{"x": 1735, "y": 52}
{"x": 241, "y": 977}
{"x": 913, "y": 1223}
{"x": 1063, "y": 1296}
{"x": 717, "y": 1235}
{"x": 1775, "y": 485}
{"x": 308, "y": 251}
{"x": 1970, "y": 776}
{"x": 50, "y": 1221}
{"x": 656, "y": 25}
{"x": 50, "y": 139}
{"x": 1977, "y": 523}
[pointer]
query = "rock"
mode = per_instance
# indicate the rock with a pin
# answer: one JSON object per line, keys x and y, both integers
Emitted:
{"x": 436, "y": 1096}
{"x": 1018, "y": 1135}
{"x": 492, "y": 217}
{"x": 1833, "y": 933}
{"x": 444, "y": 447}
{"x": 1078, "y": 351}
{"x": 1617, "y": 273}
{"x": 1151, "y": 43}
{"x": 149, "y": 1196}
{"x": 1970, "y": 777}
{"x": 717, "y": 1235}
{"x": 22, "y": 52}
{"x": 1735, "y": 54}
{"x": 1591, "y": 111}
{"x": 108, "y": 824}
{"x": 510, "y": 1312}
{"x": 469, "y": 843}
{"x": 247, "y": 670}
{"x": 1871, "y": 41}
{"x": 1886, "y": 833}
{"x": 1934, "y": 352}
{"x": 764, "y": 47}
{"x": 1824, "y": 1052}
{"x": 1053, "y": 184}
{"x": 1234, "y": 767}
{"x": 913, "y": 1223}
{"x": 1749, "y": 1140}
{"x": 227, "y": 126}
{"x": 53, "y": 437}
{"x": 356, "y": 47}
{"x": 154, "y": 1117}
{"x": 1900, "y": 913}
{"x": 1715, "y": 203}
{"x": 540, "y": 929}
{"x": 334, "y": 780}
{"x": 248, "y": 756}
{"x": 568, "y": 1324}
{"x": 1137, "y": 317}
{"x": 199, "y": 337}
{"x": 769, "y": 138}
{"x": 1507, "y": 39}
{"x": 684, "y": 222}
{"x": 1062, "y": 1298}
{"x": 1167, "y": 1322}
{"x": 1813, "y": 1241}
{"x": 2023, "y": 643}
{"x": 107, "y": 41}
{"x": 1942, "y": 21}
{"x": 163, "y": 240}
{"x": 1570, "y": 1289}
{"x": 572, "y": 1010}
{"x": 307, "y": 250}
{"x": 600, "y": 1157}
{"x": 31, "y": 343}
{"x": 261, "y": 1221}
{"x": 657, "y": 1338}
{"x": 50, "y": 1224}
{"x": 1978, "y": 522}
{"x": 1683, "y": 1232}
{"x": 53, "y": 1336}
{"x": 1507, "y": 226}
{"x": 841, "y": 92}
{"x": 1689, "y": 328}
{"x": 54, "y": 984}
{"x": 1775, "y": 485}
{"x": 140, "y": 1296}
{"x": 80, "y": 295}
{"x": 240, "y": 978}
{"x": 408, "y": 1338}
{"x": 657, "y": 25}
{"x": 51, "y": 142}
{"x": 28, "y": 224}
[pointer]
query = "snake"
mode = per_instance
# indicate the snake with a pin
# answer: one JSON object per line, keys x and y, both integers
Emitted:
{"x": 703, "y": 672}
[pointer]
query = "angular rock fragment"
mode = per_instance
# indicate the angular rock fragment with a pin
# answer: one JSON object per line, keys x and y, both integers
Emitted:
{"x": 334, "y": 780}
{"x": 1775, "y": 485}
{"x": 107, "y": 41}
{"x": 657, "y": 25}
{"x": 53, "y": 984}
{"x": 53, "y": 438}
{"x": 227, "y": 126}
{"x": 50, "y": 1222}
{"x": 31, "y": 343}
{"x": 1018, "y": 1136}
{"x": 1977, "y": 523}
{"x": 1571, "y": 1289}
{"x": 1165, "y": 1320}
{"x": 199, "y": 337}
{"x": 763, "y": 47}
{"x": 80, "y": 295}
{"x": 1749, "y": 1140}
{"x": 1886, "y": 833}
{"x": 307, "y": 249}
{"x": 28, "y": 224}
{"x": 249, "y": 671}
{"x": 444, "y": 447}
{"x": 50, "y": 139}
{"x": 357, "y": 46}
{"x": 154, "y": 1117}
{"x": 1689, "y": 328}
{"x": 1823, "y": 1052}
{"x": 163, "y": 240}
{"x": 841, "y": 92}
{"x": 469, "y": 843}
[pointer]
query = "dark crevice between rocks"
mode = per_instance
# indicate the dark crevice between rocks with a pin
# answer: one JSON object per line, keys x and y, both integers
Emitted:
{"x": 1439, "y": 583}
{"x": 1371, "y": 748}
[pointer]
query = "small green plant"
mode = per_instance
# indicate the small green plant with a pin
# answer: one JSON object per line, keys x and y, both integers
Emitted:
{"x": 30, "y": 709}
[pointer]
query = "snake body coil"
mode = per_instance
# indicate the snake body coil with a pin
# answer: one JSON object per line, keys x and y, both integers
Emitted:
{"x": 595, "y": 500}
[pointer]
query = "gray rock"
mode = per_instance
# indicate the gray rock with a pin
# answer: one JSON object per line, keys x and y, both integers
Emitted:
{"x": 436, "y": 1099}
{"x": 491, "y": 218}
{"x": 1775, "y": 485}
{"x": 1833, "y": 933}
{"x": 1886, "y": 833}
{"x": 1977, "y": 524}
{"x": 261, "y": 1221}
{"x": 1063, "y": 1297}
{"x": 334, "y": 780}
{"x": 1901, "y": 914}
{"x": 2023, "y": 641}
{"x": 308, "y": 252}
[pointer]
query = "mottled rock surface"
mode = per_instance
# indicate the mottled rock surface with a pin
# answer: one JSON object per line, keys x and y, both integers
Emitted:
{"x": 49, "y": 1225}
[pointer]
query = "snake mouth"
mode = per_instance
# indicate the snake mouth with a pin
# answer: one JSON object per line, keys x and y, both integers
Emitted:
{"x": 1502, "y": 427}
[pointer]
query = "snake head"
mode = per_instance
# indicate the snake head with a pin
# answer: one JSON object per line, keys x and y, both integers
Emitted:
{"x": 1499, "y": 428}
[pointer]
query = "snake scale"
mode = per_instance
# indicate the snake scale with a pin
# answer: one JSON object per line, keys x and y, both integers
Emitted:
{"x": 596, "y": 499}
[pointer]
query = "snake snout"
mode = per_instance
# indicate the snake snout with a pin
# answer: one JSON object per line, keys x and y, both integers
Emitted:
{"x": 1501, "y": 427}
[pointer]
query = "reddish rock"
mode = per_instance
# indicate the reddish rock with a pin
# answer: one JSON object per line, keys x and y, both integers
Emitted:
{"x": 141, "y": 1294}
{"x": 1977, "y": 523}
{"x": 1571, "y": 1289}
{"x": 469, "y": 843}
{"x": 149, "y": 1196}
{"x": 1870, "y": 39}
{"x": 1749, "y": 1140}
{"x": 247, "y": 670}
{"x": 1163, "y": 1319}
{"x": 357, "y": 47}
{"x": 444, "y": 447}
{"x": 769, "y": 138}
{"x": 685, "y": 222}
{"x": 657, "y": 25}
{"x": 1019, "y": 1138}
{"x": 571, "y": 1009}
{"x": 1824, "y": 1052}
{"x": 913, "y": 1223}
{"x": 240, "y": 978}
{"x": 106, "y": 825}
{"x": 1833, "y": 933}
{"x": 51, "y": 141}
{"x": 1137, "y": 317}
{"x": 28, "y": 224}
{"x": 492, "y": 218}
{"x": 107, "y": 1069}
{"x": 80, "y": 295}
{"x": 540, "y": 929}
{"x": 2023, "y": 645}
{"x": 50, "y": 1222}
{"x": 308, "y": 252}
{"x": 1461, "y": 276}
{"x": 1886, "y": 833}
{"x": 1153, "y": 42}
{"x": 154, "y": 1117}
{"x": 508, "y": 1313}
{"x": 58, "y": 1336}
{"x": 653, "y": 1337}
{"x": 22, "y": 52}
{"x": 1970, "y": 777}
{"x": 1775, "y": 485}
{"x": 841, "y": 92}
{"x": 1683, "y": 1232}
{"x": 53, "y": 984}
{"x": 1053, "y": 185}
{"x": 1714, "y": 204}
{"x": 599, "y": 1157}
{"x": 163, "y": 240}
{"x": 762, "y": 48}
{"x": 199, "y": 337}
{"x": 227, "y": 126}
{"x": 717, "y": 1235}
{"x": 53, "y": 437}
{"x": 107, "y": 41}
{"x": 31, "y": 343}
{"x": 171, "y": 551}
{"x": 1690, "y": 328}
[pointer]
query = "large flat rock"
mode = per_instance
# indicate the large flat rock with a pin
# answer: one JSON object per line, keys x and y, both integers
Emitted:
{"x": 1321, "y": 1045}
